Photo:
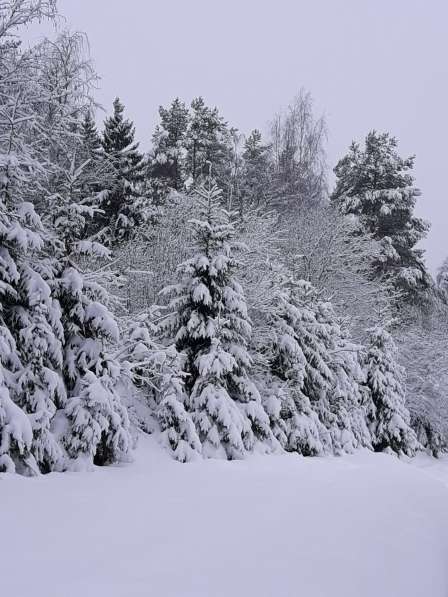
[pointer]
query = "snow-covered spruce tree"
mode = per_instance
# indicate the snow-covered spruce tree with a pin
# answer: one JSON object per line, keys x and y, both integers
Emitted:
{"x": 156, "y": 398}
{"x": 96, "y": 171}
{"x": 93, "y": 181}
{"x": 293, "y": 420}
{"x": 91, "y": 141}
{"x": 29, "y": 314}
{"x": 376, "y": 185}
{"x": 390, "y": 425}
{"x": 177, "y": 428}
{"x": 31, "y": 337}
{"x": 31, "y": 330}
{"x": 93, "y": 424}
{"x": 124, "y": 207}
{"x": 36, "y": 321}
{"x": 40, "y": 104}
{"x": 167, "y": 158}
{"x": 96, "y": 425}
{"x": 208, "y": 318}
{"x": 348, "y": 401}
{"x": 16, "y": 434}
{"x": 322, "y": 399}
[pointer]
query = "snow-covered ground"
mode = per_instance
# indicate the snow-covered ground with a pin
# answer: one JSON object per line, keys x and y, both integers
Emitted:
{"x": 366, "y": 525}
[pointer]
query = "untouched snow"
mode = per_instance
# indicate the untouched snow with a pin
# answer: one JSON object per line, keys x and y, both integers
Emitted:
{"x": 366, "y": 525}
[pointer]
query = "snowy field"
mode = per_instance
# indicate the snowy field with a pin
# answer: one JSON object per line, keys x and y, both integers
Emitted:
{"x": 366, "y": 525}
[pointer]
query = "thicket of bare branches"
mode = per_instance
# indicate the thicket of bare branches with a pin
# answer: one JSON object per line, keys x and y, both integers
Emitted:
{"x": 325, "y": 249}
{"x": 424, "y": 354}
{"x": 16, "y": 13}
{"x": 298, "y": 140}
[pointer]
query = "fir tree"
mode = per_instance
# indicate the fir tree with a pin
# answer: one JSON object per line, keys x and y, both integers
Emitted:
{"x": 211, "y": 328}
{"x": 376, "y": 185}
{"x": 124, "y": 207}
{"x": 385, "y": 378}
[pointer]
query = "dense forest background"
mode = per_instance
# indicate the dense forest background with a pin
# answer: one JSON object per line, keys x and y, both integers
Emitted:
{"x": 215, "y": 291}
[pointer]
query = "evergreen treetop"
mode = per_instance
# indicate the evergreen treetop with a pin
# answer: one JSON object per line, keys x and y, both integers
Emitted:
{"x": 376, "y": 185}
{"x": 90, "y": 138}
{"x": 125, "y": 205}
{"x": 168, "y": 155}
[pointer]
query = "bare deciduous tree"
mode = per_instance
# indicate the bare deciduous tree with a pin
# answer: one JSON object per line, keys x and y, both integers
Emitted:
{"x": 16, "y": 13}
{"x": 424, "y": 353}
{"x": 298, "y": 152}
{"x": 323, "y": 248}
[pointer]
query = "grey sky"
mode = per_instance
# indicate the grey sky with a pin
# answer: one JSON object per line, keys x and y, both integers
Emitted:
{"x": 368, "y": 63}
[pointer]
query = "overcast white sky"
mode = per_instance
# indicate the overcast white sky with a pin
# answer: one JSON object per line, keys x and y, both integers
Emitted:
{"x": 379, "y": 64}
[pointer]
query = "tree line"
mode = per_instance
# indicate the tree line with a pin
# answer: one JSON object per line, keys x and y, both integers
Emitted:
{"x": 214, "y": 291}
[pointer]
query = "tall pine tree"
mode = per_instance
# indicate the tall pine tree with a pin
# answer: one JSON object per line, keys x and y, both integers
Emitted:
{"x": 168, "y": 155}
{"x": 376, "y": 185}
{"x": 207, "y": 142}
{"x": 256, "y": 176}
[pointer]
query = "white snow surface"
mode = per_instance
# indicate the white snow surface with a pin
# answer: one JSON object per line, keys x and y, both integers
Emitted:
{"x": 366, "y": 525}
